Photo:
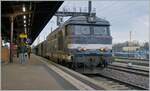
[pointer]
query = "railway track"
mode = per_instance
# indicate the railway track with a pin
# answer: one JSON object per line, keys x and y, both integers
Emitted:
{"x": 120, "y": 77}
{"x": 130, "y": 70}
{"x": 114, "y": 78}
{"x": 132, "y": 59}
{"x": 119, "y": 83}
{"x": 135, "y": 62}
{"x": 115, "y": 84}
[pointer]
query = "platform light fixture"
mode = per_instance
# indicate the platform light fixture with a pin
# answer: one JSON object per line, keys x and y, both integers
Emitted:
{"x": 24, "y": 17}
{"x": 23, "y": 8}
{"x": 24, "y": 21}
{"x": 25, "y": 25}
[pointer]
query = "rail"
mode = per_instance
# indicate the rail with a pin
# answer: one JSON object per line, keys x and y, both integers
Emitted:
{"x": 120, "y": 81}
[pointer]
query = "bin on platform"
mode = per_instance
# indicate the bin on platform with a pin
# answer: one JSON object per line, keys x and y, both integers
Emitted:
{"x": 4, "y": 54}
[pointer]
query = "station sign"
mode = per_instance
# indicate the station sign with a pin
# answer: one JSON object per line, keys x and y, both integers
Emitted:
{"x": 23, "y": 36}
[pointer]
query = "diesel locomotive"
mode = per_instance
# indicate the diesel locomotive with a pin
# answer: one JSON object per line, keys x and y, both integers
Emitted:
{"x": 79, "y": 41}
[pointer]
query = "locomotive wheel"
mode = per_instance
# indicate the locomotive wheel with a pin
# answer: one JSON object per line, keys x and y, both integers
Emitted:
{"x": 63, "y": 62}
{"x": 58, "y": 61}
{"x": 74, "y": 66}
{"x": 69, "y": 64}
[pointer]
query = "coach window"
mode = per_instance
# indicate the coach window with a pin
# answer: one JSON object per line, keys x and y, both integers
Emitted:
{"x": 66, "y": 31}
{"x": 69, "y": 30}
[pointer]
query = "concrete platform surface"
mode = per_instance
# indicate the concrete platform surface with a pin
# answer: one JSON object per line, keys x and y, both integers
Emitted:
{"x": 31, "y": 76}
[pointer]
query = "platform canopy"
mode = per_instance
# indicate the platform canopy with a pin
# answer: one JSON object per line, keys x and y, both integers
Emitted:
{"x": 29, "y": 16}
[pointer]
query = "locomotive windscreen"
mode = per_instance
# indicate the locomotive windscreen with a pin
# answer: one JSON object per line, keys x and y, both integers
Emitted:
{"x": 78, "y": 29}
{"x": 101, "y": 30}
{"x": 92, "y": 36}
{"x": 90, "y": 30}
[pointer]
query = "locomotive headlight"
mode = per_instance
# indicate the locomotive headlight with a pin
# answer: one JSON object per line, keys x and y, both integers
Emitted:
{"x": 84, "y": 49}
{"x": 101, "y": 49}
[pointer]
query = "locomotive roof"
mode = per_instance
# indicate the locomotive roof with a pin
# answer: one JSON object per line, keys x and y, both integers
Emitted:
{"x": 83, "y": 20}
{"x": 79, "y": 20}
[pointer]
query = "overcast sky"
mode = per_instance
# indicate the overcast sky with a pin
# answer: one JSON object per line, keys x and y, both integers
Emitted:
{"x": 124, "y": 16}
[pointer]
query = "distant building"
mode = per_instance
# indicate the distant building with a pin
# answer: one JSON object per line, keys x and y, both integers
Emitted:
{"x": 133, "y": 48}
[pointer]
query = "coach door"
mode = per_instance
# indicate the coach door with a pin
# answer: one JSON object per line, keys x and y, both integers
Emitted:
{"x": 60, "y": 40}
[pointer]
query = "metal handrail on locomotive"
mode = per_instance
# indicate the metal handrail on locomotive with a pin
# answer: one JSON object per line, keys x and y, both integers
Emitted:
{"x": 79, "y": 42}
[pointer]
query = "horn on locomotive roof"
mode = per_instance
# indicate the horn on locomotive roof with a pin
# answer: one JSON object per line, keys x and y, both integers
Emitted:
{"x": 91, "y": 17}
{"x": 90, "y": 7}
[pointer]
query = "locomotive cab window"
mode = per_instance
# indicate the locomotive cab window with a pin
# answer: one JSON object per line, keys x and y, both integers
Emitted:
{"x": 100, "y": 30}
{"x": 80, "y": 29}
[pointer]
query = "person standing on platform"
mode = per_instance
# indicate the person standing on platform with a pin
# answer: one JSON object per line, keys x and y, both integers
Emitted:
{"x": 29, "y": 51}
{"x": 18, "y": 50}
{"x": 23, "y": 51}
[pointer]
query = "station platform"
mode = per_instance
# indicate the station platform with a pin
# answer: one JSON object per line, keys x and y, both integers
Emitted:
{"x": 42, "y": 75}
